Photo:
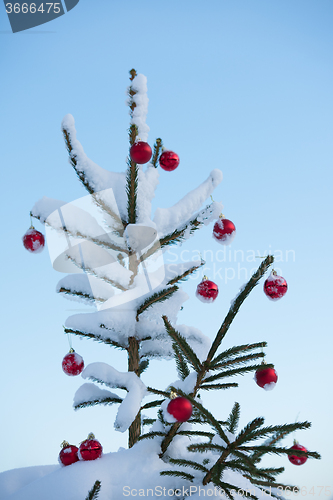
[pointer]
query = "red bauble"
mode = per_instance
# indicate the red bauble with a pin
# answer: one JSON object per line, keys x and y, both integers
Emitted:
{"x": 169, "y": 161}
{"x": 72, "y": 364}
{"x": 90, "y": 449}
{"x": 266, "y": 378}
{"x": 224, "y": 231}
{"x": 140, "y": 152}
{"x": 33, "y": 240}
{"x": 68, "y": 454}
{"x": 180, "y": 408}
{"x": 207, "y": 290}
{"x": 275, "y": 287}
{"x": 297, "y": 460}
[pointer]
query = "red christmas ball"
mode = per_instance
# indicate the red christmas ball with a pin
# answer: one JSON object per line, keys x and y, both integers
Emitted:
{"x": 207, "y": 290}
{"x": 73, "y": 363}
{"x": 297, "y": 460}
{"x": 140, "y": 152}
{"x": 224, "y": 231}
{"x": 68, "y": 454}
{"x": 90, "y": 449}
{"x": 169, "y": 161}
{"x": 180, "y": 408}
{"x": 266, "y": 378}
{"x": 275, "y": 287}
{"x": 33, "y": 240}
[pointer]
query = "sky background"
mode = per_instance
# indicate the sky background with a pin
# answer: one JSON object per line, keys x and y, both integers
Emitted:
{"x": 244, "y": 86}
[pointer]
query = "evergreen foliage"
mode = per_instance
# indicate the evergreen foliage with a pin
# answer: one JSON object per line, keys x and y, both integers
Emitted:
{"x": 221, "y": 448}
{"x": 94, "y": 492}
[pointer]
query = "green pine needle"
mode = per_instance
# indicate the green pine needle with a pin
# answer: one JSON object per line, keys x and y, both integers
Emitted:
{"x": 94, "y": 492}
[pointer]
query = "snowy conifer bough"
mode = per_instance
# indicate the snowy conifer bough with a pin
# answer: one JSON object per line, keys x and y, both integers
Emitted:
{"x": 117, "y": 245}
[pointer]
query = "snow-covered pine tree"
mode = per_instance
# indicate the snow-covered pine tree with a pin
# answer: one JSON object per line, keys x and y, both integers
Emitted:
{"x": 116, "y": 248}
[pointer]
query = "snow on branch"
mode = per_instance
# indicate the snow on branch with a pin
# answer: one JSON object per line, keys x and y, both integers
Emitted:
{"x": 77, "y": 222}
{"x": 168, "y": 219}
{"x": 92, "y": 176}
{"x": 136, "y": 390}
{"x": 82, "y": 286}
{"x": 116, "y": 324}
{"x": 90, "y": 395}
{"x": 139, "y": 113}
{"x": 100, "y": 263}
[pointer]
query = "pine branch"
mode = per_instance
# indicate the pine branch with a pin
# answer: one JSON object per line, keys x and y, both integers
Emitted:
{"x": 238, "y": 301}
{"x": 182, "y": 368}
{"x": 96, "y": 337}
{"x": 233, "y": 418}
{"x": 183, "y": 276}
{"x": 283, "y": 429}
{"x": 183, "y": 345}
{"x": 280, "y": 451}
{"x": 73, "y": 160}
{"x": 143, "y": 366}
{"x": 204, "y": 447}
{"x": 234, "y": 351}
{"x": 207, "y": 387}
{"x": 188, "y": 463}
{"x": 152, "y": 404}
{"x": 81, "y": 295}
{"x": 160, "y": 296}
{"x": 92, "y": 272}
{"x": 236, "y": 371}
{"x": 238, "y": 361}
{"x": 95, "y": 402}
{"x": 131, "y": 190}
{"x": 247, "y": 433}
{"x": 209, "y": 435}
{"x": 93, "y": 493}
{"x": 107, "y": 244}
{"x": 148, "y": 421}
{"x": 156, "y": 153}
{"x": 178, "y": 235}
{"x": 176, "y": 473}
{"x": 151, "y": 435}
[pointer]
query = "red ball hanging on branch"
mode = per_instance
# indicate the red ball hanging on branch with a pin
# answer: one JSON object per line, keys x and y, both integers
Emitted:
{"x": 224, "y": 231}
{"x": 73, "y": 363}
{"x": 266, "y": 377}
{"x": 33, "y": 240}
{"x": 140, "y": 152}
{"x": 169, "y": 160}
{"x": 275, "y": 287}
{"x": 294, "y": 459}
{"x": 207, "y": 290}
{"x": 68, "y": 454}
{"x": 180, "y": 408}
{"x": 90, "y": 449}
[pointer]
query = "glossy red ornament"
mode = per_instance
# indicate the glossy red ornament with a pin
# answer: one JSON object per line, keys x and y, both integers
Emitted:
{"x": 224, "y": 231}
{"x": 297, "y": 460}
{"x": 169, "y": 161}
{"x": 73, "y": 363}
{"x": 180, "y": 408}
{"x": 140, "y": 152}
{"x": 90, "y": 449}
{"x": 275, "y": 287}
{"x": 207, "y": 290}
{"x": 266, "y": 378}
{"x": 68, "y": 454}
{"x": 33, "y": 240}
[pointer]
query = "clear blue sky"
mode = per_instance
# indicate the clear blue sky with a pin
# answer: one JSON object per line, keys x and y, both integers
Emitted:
{"x": 244, "y": 86}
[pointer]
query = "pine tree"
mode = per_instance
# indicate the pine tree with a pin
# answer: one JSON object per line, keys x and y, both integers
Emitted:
{"x": 117, "y": 244}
